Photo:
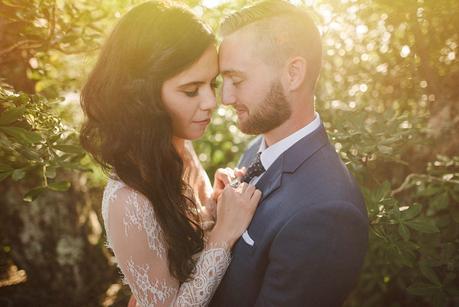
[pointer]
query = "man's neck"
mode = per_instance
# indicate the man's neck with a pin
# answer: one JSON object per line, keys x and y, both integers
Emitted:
{"x": 297, "y": 121}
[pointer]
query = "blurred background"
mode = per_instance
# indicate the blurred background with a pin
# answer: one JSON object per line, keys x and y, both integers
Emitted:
{"x": 388, "y": 95}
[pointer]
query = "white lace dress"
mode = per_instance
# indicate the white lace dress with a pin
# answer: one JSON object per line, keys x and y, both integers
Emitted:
{"x": 136, "y": 240}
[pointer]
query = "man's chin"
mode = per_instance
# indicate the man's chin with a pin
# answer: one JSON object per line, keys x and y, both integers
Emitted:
{"x": 245, "y": 128}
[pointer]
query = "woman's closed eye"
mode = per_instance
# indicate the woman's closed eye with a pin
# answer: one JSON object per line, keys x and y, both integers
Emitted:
{"x": 192, "y": 92}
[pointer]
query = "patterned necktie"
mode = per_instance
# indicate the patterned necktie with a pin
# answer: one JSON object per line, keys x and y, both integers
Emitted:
{"x": 255, "y": 169}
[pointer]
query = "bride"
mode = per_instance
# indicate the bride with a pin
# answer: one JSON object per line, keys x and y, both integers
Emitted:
{"x": 150, "y": 93}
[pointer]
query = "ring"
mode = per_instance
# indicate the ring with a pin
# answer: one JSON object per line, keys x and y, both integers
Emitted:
{"x": 235, "y": 183}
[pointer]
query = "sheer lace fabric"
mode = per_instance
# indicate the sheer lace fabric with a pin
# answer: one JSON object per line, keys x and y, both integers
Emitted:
{"x": 136, "y": 240}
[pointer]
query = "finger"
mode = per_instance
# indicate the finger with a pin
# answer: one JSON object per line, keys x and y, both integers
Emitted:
{"x": 225, "y": 179}
{"x": 223, "y": 176}
{"x": 219, "y": 197}
{"x": 256, "y": 196}
{"x": 249, "y": 191}
{"x": 227, "y": 190}
{"x": 240, "y": 172}
{"x": 242, "y": 187}
{"x": 219, "y": 170}
{"x": 216, "y": 194}
{"x": 223, "y": 171}
{"x": 230, "y": 172}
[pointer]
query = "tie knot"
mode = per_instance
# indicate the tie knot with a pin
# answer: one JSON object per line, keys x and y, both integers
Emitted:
{"x": 255, "y": 169}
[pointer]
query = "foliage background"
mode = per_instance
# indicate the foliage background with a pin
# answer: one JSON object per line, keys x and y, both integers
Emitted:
{"x": 388, "y": 95}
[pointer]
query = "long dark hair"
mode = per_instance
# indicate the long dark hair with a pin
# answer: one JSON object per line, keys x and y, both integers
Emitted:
{"x": 127, "y": 128}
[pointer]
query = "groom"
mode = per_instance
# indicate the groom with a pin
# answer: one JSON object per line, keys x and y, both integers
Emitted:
{"x": 306, "y": 243}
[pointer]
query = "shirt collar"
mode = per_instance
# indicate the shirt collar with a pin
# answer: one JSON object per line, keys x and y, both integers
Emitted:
{"x": 271, "y": 153}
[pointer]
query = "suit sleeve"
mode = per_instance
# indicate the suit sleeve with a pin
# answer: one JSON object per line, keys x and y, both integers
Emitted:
{"x": 316, "y": 257}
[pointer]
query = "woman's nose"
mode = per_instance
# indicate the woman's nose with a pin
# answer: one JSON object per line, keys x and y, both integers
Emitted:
{"x": 209, "y": 100}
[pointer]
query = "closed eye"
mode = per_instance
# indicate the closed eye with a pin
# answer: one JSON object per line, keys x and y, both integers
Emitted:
{"x": 192, "y": 93}
{"x": 236, "y": 81}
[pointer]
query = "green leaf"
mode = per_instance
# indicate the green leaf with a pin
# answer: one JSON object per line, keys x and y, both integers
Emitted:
{"x": 33, "y": 194}
{"x": 412, "y": 211}
{"x": 440, "y": 201}
{"x": 423, "y": 289}
{"x": 22, "y": 134}
{"x": 4, "y": 175}
{"x": 30, "y": 153}
{"x": 69, "y": 148}
{"x": 5, "y": 168}
{"x": 430, "y": 190}
{"x": 427, "y": 271}
{"x": 385, "y": 149}
{"x": 59, "y": 186}
{"x": 455, "y": 214}
{"x": 404, "y": 232}
{"x": 10, "y": 116}
{"x": 50, "y": 172}
{"x": 423, "y": 225}
{"x": 18, "y": 174}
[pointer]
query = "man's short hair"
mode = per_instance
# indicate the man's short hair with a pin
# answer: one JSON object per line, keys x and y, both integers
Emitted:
{"x": 281, "y": 30}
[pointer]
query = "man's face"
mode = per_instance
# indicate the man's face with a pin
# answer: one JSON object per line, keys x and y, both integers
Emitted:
{"x": 251, "y": 86}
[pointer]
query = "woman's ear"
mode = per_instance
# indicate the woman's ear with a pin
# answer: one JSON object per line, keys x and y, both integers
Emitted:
{"x": 296, "y": 73}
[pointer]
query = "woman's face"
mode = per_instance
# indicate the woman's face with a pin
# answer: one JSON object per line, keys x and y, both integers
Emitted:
{"x": 189, "y": 97}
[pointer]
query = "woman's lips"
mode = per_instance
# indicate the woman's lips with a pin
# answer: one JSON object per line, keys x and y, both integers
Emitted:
{"x": 202, "y": 122}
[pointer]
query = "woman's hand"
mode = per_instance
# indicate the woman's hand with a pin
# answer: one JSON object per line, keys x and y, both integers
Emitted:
{"x": 235, "y": 210}
{"x": 223, "y": 177}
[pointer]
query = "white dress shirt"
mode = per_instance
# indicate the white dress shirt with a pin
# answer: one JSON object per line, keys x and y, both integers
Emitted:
{"x": 271, "y": 153}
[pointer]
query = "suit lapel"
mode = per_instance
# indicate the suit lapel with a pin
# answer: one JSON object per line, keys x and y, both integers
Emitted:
{"x": 290, "y": 160}
{"x": 270, "y": 180}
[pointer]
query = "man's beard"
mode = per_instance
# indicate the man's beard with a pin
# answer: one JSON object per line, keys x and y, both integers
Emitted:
{"x": 270, "y": 114}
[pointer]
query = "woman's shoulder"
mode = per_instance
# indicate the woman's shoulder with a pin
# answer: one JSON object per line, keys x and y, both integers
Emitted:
{"x": 130, "y": 210}
{"x": 118, "y": 194}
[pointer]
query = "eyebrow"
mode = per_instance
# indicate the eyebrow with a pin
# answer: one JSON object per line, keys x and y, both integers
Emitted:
{"x": 232, "y": 72}
{"x": 196, "y": 82}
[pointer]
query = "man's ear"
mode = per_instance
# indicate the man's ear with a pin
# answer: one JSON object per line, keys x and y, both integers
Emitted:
{"x": 296, "y": 70}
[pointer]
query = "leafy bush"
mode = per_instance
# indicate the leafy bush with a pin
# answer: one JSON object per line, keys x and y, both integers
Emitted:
{"x": 35, "y": 143}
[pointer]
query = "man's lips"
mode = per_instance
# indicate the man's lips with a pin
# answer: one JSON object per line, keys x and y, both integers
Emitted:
{"x": 240, "y": 111}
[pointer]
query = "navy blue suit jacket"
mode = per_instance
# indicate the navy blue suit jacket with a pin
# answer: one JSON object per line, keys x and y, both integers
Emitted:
{"x": 310, "y": 232}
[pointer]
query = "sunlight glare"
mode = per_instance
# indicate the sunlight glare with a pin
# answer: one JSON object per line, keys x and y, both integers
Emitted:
{"x": 213, "y": 3}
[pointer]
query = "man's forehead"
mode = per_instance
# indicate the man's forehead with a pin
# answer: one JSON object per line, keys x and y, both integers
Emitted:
{"x": 243, "y": 37}
{"x": 236, "y": 52}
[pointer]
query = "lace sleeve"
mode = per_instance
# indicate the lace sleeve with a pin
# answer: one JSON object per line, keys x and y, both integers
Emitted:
{"x": 136, "y": 240}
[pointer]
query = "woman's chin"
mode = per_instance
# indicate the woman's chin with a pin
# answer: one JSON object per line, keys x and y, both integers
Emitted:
{"x": 193, "y": 134}
{"x": 197, "y": 135}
